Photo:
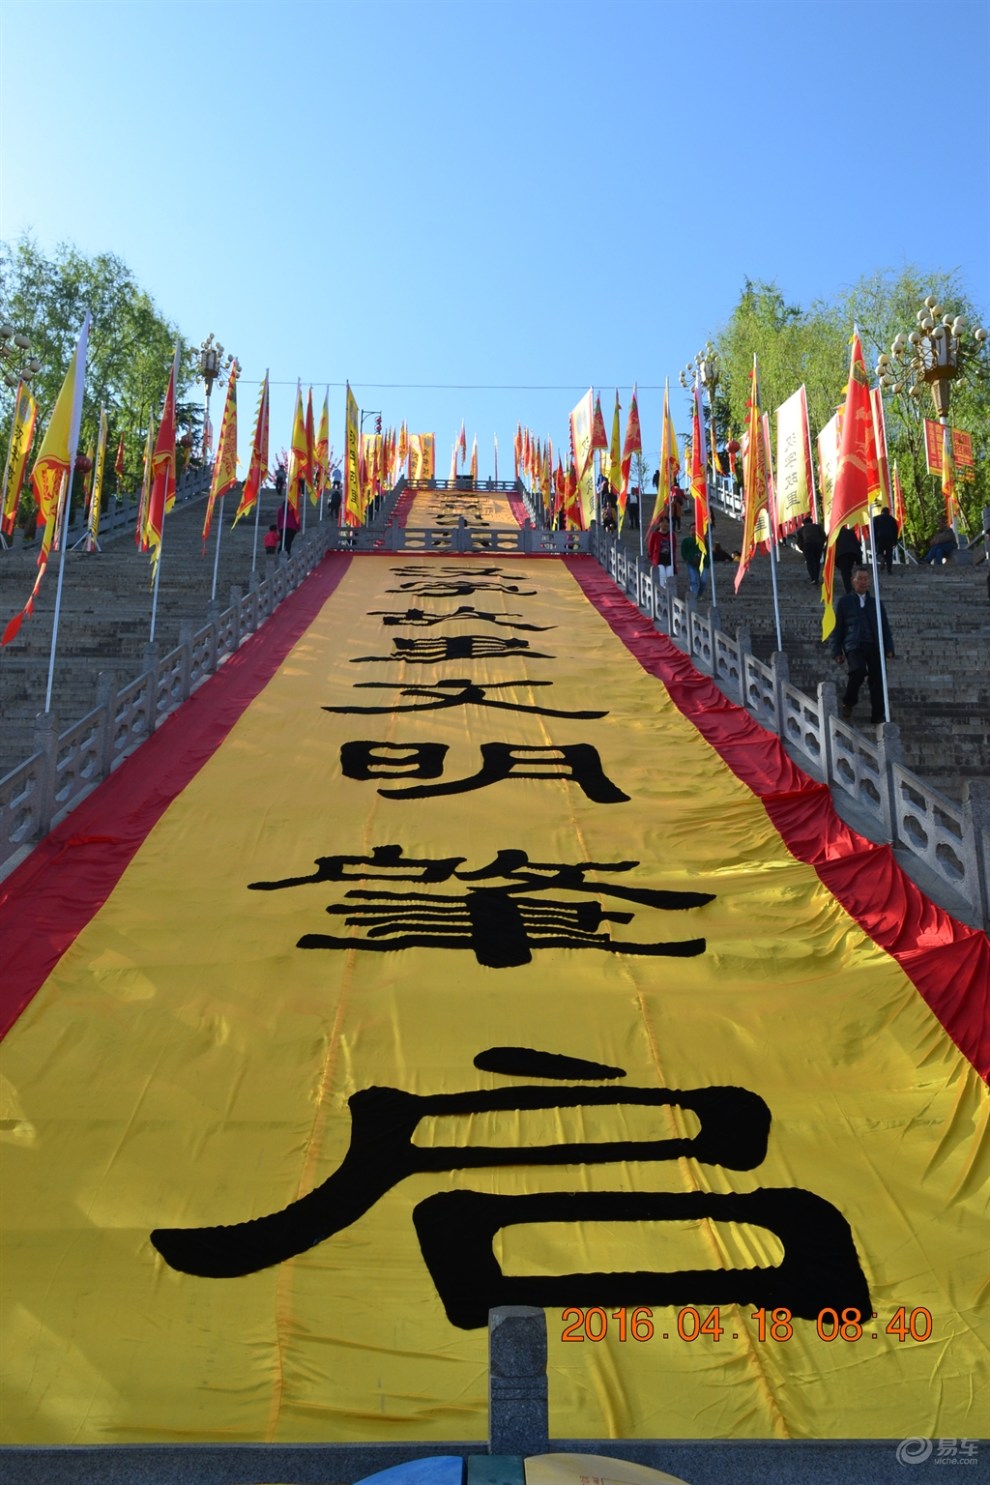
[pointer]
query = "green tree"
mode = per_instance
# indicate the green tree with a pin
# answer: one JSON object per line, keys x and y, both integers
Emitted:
{"x": 131, "y": 344}
{"x": 796, "y": 346}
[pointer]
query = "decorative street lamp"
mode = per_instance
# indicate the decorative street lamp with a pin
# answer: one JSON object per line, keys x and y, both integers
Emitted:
{"x": 212, "y": 368}
{"x": 932, "y": 355}
{"x": 14, "y": 347}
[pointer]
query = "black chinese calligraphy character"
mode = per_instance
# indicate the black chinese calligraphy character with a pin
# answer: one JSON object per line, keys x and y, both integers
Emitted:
{"x": 820, "y": 1268}
{"x": 456, "y": 1229}
{"x": 500, "y": 925}
{"x": 733, "y": 1133}
{"x": 456, "y": 582}
{"x": 576, "y": 762}
{"x": 460, "y": 692}
{"x": 453, "y": 647}
{"x": 419, "y": 618}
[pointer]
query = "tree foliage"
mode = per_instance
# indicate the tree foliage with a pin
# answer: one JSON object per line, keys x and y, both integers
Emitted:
{"x": 811, "y": 346}
{"x": 131, "y": 344}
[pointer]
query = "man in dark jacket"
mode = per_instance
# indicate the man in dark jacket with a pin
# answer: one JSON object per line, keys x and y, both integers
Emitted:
{"x": 811, "y": 540}
{"x": 847, "y": 553}
{"x": 859, "y": 631}
{"x": 885, "y": 534}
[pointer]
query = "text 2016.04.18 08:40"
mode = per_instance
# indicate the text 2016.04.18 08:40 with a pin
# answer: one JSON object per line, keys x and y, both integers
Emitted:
{"x": 690, "y": 1324}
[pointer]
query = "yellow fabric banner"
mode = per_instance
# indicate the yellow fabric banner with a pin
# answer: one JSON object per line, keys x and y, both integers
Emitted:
{"x": 466, "y": 920}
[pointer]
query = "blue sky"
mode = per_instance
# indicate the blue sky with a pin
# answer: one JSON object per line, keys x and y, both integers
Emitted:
{"x": 478, "y": 208}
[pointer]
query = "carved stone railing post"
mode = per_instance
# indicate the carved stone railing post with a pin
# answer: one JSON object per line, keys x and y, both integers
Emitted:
{"x": 106, "y": 701}
{"x": 518, "y": 1421}
{"x": 185, "y": 661}
{"x": 828, "y": 707}
{"x": 889, "y": 749}
{"x": 781, "y": 674}
{"x": 976, "y": 798}
{"x": 150, "y": 659}
{"x": 236, "y": 594}
{"x": 254, "y": 584}
{"x": 46, "y": 743}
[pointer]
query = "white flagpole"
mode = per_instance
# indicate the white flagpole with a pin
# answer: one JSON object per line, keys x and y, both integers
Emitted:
{"x": 161, "y": 539}
{"x": 257, "y": 504}
{"x": 154, "y": 591}
{"x": 74, "y": 420}
{"x": 257, "y": 517}
{"x": 216, "y": 552}
{"x": 711, "y": 431}
{"x": 772, "y": 520}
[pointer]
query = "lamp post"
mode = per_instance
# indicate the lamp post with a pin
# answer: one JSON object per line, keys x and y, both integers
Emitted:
{"x": 212, "y": 368}
{"x": 932, "y": 355}
{"x": 14, "y": 347}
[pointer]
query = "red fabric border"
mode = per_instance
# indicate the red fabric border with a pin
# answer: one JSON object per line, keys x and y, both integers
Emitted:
{"x": 47, "y": 901}
{"x": 947, "y": 961}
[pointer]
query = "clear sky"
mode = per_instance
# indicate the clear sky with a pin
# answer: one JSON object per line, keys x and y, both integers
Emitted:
{"x": 478, "y": 208}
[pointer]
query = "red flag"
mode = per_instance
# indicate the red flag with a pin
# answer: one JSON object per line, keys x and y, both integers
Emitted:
{"x": 754, "y": 477}
{"x": 314, "y": 493}
{"x": 699, "y": 473}
{"x": 118, "y": 466}
{"x": 560, "y": 490}
{"x": 572, "y": 505}
{"x": 631, "y": 444}
{"x": 162, "y": 496}
{"x": 857, "y": 478}
{"x": 599, "y": 438}
{"x": 258, "y": 469}
{"x": 898, "y": 499}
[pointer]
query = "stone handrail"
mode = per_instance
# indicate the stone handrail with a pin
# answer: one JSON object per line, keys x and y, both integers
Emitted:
{"x": 456, "y": 538}
{"x": 66, "y": 766}
{"x": 951, "y": 841}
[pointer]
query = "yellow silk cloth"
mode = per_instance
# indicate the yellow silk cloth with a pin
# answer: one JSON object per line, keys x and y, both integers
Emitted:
{"x": 186, "y": 1064}
{"x": 431, "y": 508}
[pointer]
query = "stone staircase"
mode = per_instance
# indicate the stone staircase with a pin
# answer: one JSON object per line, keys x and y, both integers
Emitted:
{"x": 105, "y": 618}
{"x": 940, "y": 681}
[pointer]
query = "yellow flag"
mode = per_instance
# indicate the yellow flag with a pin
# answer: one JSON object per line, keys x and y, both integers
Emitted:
{"x": 21, "y": 433}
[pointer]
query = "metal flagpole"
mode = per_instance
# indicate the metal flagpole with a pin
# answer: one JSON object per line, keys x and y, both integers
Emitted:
{"x": 714, "y": 487}
{"x": 776, "y": 596}
{"x": 876, "y": 594}
{"x": 257, "y": 518}
{"x": 257, "y": 502}
{"x": 285, "y": 513}
{"x": 216, "y": 553}
{"x": 63, "y": 510}
{"x": 75, "y": 417}
{"x": 154, "y": 591}
{"x": 771, "y": 508}
{"x": 642, "y": 502}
